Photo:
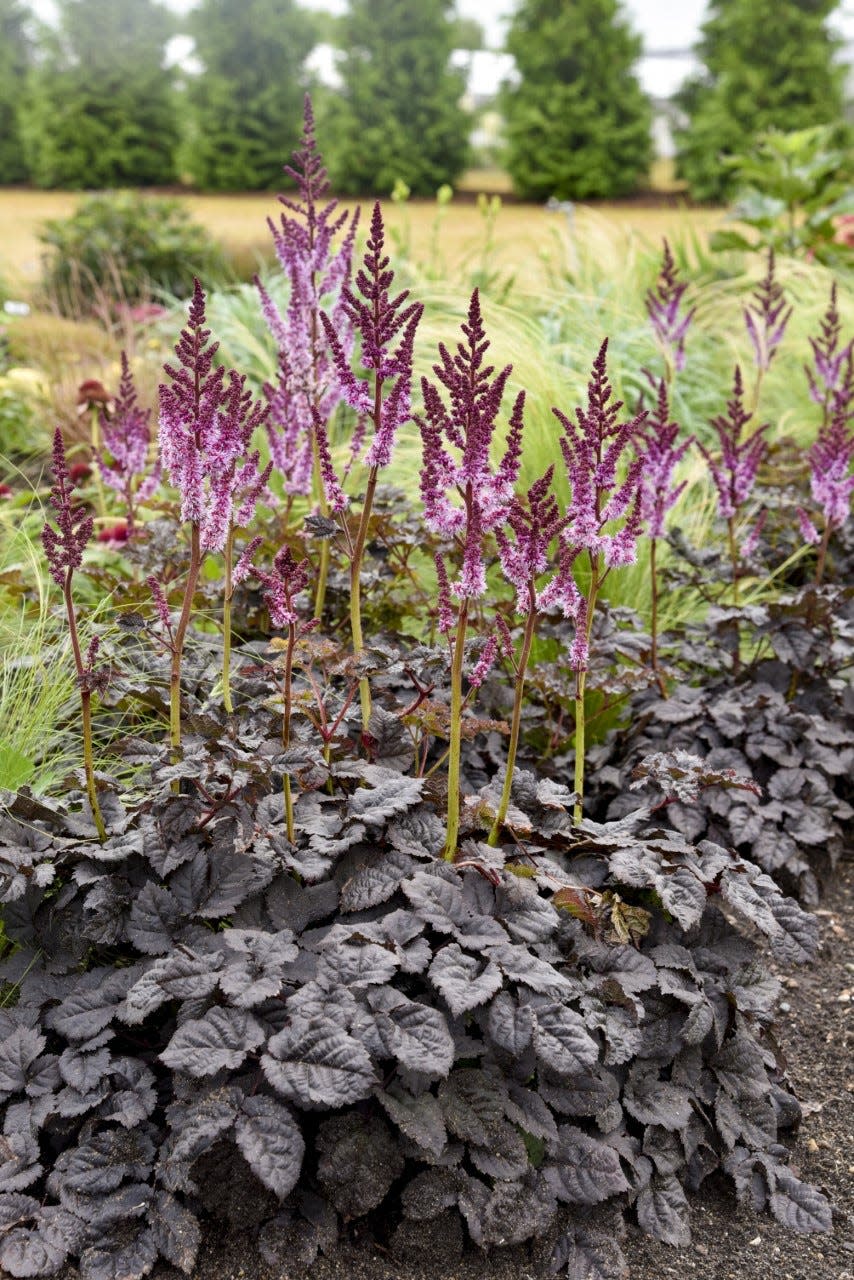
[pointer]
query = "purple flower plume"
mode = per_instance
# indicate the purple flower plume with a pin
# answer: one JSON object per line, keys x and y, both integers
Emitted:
{"x": 386, "y": 327}
{"x": 664, "y": 308}
{"x": 64, "y": 546}
{"x": 126, "y": 436}
{"x": 767, "y": 318}
{"x": 314, "y": 247}
{"x": 283, "y": 585}
{"x": 207, "y": 419}
{"x": 464, "y": 496}
{"x": 662, "y": 453}
{"x": 831, "y": 379}
{"x": 534, "y": 522}
{"x": 734, "y": 472}
{"x": 831, "y": 479}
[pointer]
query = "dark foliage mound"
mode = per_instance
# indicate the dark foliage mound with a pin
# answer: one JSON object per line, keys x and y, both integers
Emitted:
{"x": 202, "y": 1016}
{"x": 785, "y": 718}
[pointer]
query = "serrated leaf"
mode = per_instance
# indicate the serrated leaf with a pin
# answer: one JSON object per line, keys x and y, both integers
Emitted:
{"x": 662, "y": 1210}
{"x": 521, "y": 965}
{"x": 176, "y": 1232}
{"x": 197, "y": 1125}
{"x": 562, "y": 1041}
{"x": 654, "y": 1101}
{"x": 18, "y": 1051}
{"x": 413, "y": 1033}
{"x": 358, "y": 1160}
{"x": 222, "y": 1038}
{"x": 588, "y": 1255}
{"x": 127, "y": 1257}
{"x": 510, "y": 1025}
{"x": 473, "y": 1105}
{"x": 313, "y": 1063}
{"x": 460, "y": 979}
{"x": 272, "y": 1143}
{"x": 376, "y": 881}
{"x": 389, "y": 795}
{"x": 183, "y": 975}
{"x": 437, "y": 898}
{"x": 420, "y": 1119}
{"x": 356, "y": 965}
{"x": 155, "y": 918}
{"x": 799, "y": 1206}
{"x": 583, "y": 1170}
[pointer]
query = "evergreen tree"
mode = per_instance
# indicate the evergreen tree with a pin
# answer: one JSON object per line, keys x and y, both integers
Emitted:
{"x": 14, "y": 61}
{"x": 577, "y": 123}
{"x": 398, "y": 115}
{"x": 247, "y": 103}
{"x": 100, "y": 110}
{"x": 768, "y": 64}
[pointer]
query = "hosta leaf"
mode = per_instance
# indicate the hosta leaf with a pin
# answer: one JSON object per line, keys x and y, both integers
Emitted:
{"x": 461, "y": 980}
{"x": 358, "y": 1160}
{"x": 176, "y": 1232}
{"x": 272, "y": 1143}
{"x": 314, "y": 1063}
{"x": 562, "y": 1041}
{"x": 662, "y": 1210}
{"x": 222, "y": 1038}
{"x": 799, "y": 1206}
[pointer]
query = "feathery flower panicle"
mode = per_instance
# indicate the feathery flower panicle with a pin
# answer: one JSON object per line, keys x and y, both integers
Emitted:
{"x": 831, "y": 379}
{"x": 126, "y": 436}
{"x": 64, "y": 546}
{"x": 207, "y": 419}
{"x": 446, "y": 618}
{"x": 831, "y": 479}
{"x": 485, "y": 662}
{"x": 534, "y": 522}
{"x": 767, "y": 318}
{"x": 734, "y": 472}
{"x": 808, "y": 531}
{"x": 751, "y": 542}
{"x": 305, "y": 243}
{"x": 664, "y": 308}
{"x": 463, "y": 494}
{"x": 283, "y": 585}
{"x": 386, "y": 328}
{"x": 594, "y": 447}
{"x": 662, "y": 453}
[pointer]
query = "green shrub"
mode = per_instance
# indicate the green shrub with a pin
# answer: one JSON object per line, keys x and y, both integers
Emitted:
{"x": 120, "y": 248}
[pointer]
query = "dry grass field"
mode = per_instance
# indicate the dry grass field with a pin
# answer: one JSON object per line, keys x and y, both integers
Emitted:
{"x": 524, "y": 234}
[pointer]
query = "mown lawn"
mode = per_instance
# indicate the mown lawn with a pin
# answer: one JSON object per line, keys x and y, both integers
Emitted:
{"x": 525, "y": 235}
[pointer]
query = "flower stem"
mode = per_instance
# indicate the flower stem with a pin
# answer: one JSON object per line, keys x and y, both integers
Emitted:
{"x": 181, "y": 635}
{"x": 653, "y": 625}
{"x": 286, "y": 726}
{"x": 226, "y": 622}
{"x": 453, "y": 829}
{"x": 320, "y": 497}
{"x": 356, "y": 592}
{"x": 516, "y": 723}
{"x": 96, "y": 450}
{"x": 733, "y": 558}
{"x": 86, "y": 707}
{"x": 580, "y": 687}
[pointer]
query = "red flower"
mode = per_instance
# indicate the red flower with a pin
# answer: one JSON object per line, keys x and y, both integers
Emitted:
{"x": 5, "y": 491}
{"x": 79, "y": 471}
{"x": 114, "y": 534}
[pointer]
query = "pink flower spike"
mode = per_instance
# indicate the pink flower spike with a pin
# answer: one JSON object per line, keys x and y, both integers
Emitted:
{"x": 809, "y": 533}
{"x": 484, "y": 663}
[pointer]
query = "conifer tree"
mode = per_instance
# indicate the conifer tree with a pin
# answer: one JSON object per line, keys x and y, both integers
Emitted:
{"x": 14, "y": 61}
{"x": 767, "y": 64}
{"x": 247, "y": 102}
{"x": 577, "y": 122}
{"x": 398, "y": 114}
{"x": 100, "y": 110}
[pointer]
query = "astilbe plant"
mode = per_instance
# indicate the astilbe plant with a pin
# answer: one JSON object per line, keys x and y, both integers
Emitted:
{"x": 207, "y": 419}
{"x": 124, "y": 458}
{"x": 386, "y": 327}
{"x": 604, "y": 516}
{"x": 670, "y": 322}
{"x": 465, "y": 498}
{"x": 314, "y": 246}
{"x": 831, "y": 378}
{"x": 735, "y": 469}
{"x": 831, "y": 486}
{"x": 64, "y": 547}
{"x": 766, "y": 320}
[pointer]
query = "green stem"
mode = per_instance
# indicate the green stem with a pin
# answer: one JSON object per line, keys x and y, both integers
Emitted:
{"x": 733, "y": 558}
{"x": 226, "y": 622}
{"x": 580, "y": 687}
{"x": 356, "y": 592}
{"x": 86, "y": 707}
{"x": 653, "y": 652}
{"x": 516, "y": 723}
{"x": 181, "y": 635}
{"x": 286, "y": 726}
{"x": 453, "y": 830}
{"x": 320, "y": 498}
{"x": 96, "y": 449}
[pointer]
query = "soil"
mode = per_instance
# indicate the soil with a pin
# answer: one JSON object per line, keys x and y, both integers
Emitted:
{"x": 730, "y": 1241}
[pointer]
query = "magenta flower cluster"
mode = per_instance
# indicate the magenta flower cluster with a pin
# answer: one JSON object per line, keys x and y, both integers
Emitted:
{"x": 734, "y": 473}
{"x": 662, "y": 452}
{"x": 386, "y": 328}
{"x": 464, "y": 496}
{"x": 281, "y": 587}
{"x": 767, "y": 318}
{"x": 207, "y": 419}
{"x": 524, "y": 544}
{"x": 314, "y": 247}
{"x": 64, "y": 546}
{"x": 664, "y": 308}
{"x": 831, "y": 379}
{"x": 124, "y": 461}
{"x": 831, "y": 478}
